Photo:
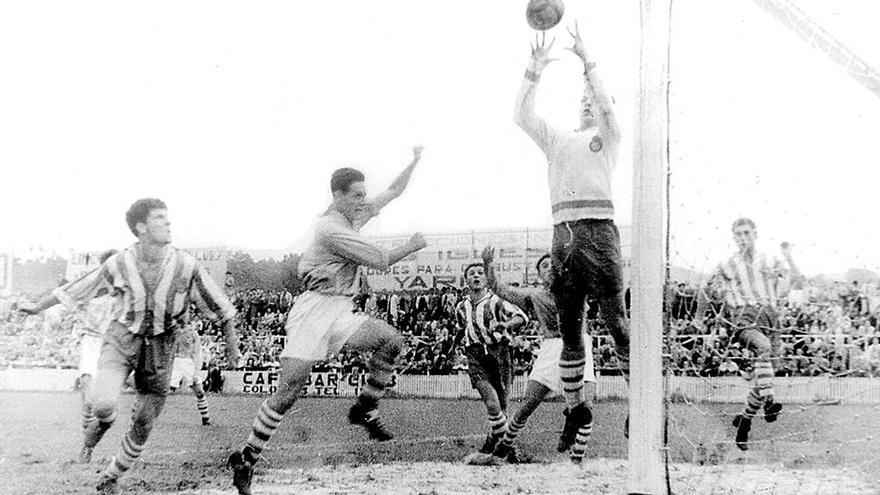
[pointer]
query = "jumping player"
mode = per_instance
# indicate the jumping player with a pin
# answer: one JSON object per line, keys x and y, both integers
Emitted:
{"x": 153, "y": 285}
{"x": 586, "y": 243}
{"x": 544, "y": 377}
{"x": 322, "y": 320}
{"x": 91, "y": 324}
{"x": 752, "y": 284}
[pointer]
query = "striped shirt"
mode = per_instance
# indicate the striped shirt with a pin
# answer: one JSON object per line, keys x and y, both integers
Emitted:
{"x": 332, "y": 264}
{"x": 581, "y": 163}
{"x": 477, "y": 319}
{"x": 750, "y": 283}
{"x": 540, "y": 300}
{"x": 151, "y": 309}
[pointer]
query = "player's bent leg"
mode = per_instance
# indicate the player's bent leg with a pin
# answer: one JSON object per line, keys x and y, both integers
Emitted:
{"x": 534, "y": 395}
{"x": 88, "y": 415}
{"x": 105, "y": 397}
{"x": 149, "y": 407}
{"x": 294, "y": 374}
{"x": 761, "y": 393}
{"x": 763, "y": 373}
{"x": 386, "y": 344}
{"x": 497, "y": 418}
{"x": 201, "y": 402}
{"x": 572, "y": 361}
{"x": 583, "y": 433}
{"x": 613, "y": 313}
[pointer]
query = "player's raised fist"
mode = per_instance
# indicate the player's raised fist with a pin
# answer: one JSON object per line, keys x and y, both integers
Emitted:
{"x": 488, "y": 254}
{"x": 417, "y": 151}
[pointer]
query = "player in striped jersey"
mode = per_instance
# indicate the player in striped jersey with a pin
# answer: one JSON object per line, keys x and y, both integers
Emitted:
{"x": 586, "y": 242}
{"x": 485, "y": 322}
{"x": 322, "y": 318}
{"x": 544, "y": 377}
{"x": 752, "y": 284}
{"x": 153, "y": 285}
{"x": 91, "y": 324}
{"x": 186, "y": 367}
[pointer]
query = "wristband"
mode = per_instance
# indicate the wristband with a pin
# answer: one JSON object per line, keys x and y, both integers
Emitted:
{"x": 532, "y": 75}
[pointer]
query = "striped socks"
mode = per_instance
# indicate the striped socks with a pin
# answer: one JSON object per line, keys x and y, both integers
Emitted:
{"x": 580, "y": 442}
{"x": 87, "y": 415}
{"x": 128, "y": 452}
{"x": 265, "y": 424}
{"x": 373, "y": 390}
{"x": 202, "y": 404}
{"x": 764, "y": 379}
{"x": 754, "y": 401}
{"x": 498, "y": 424}
{"x": 95, "y": 430}
{"x": 512, "y": 432}
{"x": 571, "y": 371}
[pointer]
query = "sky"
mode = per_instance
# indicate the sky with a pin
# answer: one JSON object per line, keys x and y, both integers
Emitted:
{"x": 236, "y": 113}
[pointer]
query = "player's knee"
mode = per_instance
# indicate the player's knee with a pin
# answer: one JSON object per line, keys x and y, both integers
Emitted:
{"x": 104, "y": 410}
{"x": 762, "y": 350}
{"x": 141, "y": 426}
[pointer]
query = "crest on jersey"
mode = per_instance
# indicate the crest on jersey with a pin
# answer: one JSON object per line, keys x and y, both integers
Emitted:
{"x": 596, "y": 144}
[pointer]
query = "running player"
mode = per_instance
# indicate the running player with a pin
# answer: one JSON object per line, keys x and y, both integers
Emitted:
{"x": 544, "y": 377}
{"x": 752, "y": 284}
{"x": 90, "y": 326}
{"x": 322, "y": 319}
{"x": 186, "y": 367}
{"x": 586, "y": 243}
{"x": 153, "y": 285}
{"x": 485, "y": 322}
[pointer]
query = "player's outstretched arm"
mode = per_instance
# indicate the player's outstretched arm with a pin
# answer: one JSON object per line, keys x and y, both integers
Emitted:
{"x": 393, "y": 191}
{"x": 524, "y": 112}
{"x": 415, "y": 243}
{"x": 32, "y": 308}
{"x": 596, "y": 98}
{"x": 504, "y": 291}
{"x": 353, "y": 246}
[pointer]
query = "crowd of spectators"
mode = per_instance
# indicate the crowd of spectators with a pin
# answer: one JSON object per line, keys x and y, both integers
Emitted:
{"x": 825, "y": 330}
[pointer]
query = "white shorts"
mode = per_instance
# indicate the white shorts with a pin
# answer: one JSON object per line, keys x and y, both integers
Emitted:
{"x": 545, "y": 369}
{"x": 90, "y": 351}
{"x": 183, "y": 370}
{"x": 319, "y": 325}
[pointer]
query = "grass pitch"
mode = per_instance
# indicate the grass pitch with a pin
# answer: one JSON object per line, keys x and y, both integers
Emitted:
{"x": 828, "y": 449}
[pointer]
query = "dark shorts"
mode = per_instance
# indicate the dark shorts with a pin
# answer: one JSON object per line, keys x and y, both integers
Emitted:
{"x": 586, "y": 259}
{"x": 750, "y": 324}
{"x": 151, "y": 358}
{"x": 490, "y": 363}
{"x": 762, "y": 318}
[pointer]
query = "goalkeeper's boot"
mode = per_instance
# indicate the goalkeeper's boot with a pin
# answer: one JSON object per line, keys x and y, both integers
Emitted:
{"x": 576, "y": 418}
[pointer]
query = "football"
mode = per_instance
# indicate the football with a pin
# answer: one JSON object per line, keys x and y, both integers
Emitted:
{"x": 544, "y": 14}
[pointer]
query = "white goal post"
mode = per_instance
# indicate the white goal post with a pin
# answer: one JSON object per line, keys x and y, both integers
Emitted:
{"x": 646, "y": 449}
